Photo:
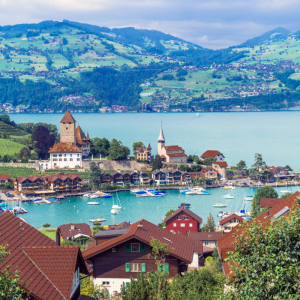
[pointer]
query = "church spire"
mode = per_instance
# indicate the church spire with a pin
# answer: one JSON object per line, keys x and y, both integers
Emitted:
{"x": 161, "y": 137}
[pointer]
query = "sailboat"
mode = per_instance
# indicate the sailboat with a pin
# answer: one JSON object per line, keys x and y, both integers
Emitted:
{"x": 116, "y": 206}
{"x": 228, "y": 196}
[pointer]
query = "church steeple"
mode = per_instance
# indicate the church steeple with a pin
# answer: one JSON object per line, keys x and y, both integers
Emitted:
{"x": 161, "y": 141}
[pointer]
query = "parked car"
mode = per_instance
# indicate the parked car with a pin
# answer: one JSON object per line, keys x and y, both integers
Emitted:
{"x": 9, "y": 194}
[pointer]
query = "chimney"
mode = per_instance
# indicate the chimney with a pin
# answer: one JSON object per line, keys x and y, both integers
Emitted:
{"x": 57, "y": 238}
{"x": 140, "y": 226}
{"x": 72, "y": 227}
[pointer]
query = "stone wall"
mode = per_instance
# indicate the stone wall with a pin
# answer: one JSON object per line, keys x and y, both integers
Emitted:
{"x": 67, "y": 133}
{"x": 117, "y": 165}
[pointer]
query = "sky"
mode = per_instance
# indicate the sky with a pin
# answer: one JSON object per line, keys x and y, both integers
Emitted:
{"x": 211, "y": 24}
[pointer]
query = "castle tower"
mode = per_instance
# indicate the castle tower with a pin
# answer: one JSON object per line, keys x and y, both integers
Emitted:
{"x": 67, "y": 128}
{"x": 161, "y": 141}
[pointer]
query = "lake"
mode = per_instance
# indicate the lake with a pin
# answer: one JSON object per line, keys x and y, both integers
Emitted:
{"x": 238, "y": 135}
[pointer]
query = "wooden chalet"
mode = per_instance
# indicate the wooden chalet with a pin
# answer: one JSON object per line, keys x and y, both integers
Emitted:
{"x": 73, "y": 231}
{"x": 119, "y": 254}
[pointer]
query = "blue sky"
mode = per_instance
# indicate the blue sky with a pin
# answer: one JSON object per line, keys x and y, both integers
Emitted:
{"x": 208, "y": 23}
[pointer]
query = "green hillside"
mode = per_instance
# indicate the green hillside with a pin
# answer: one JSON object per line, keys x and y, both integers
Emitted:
{"x": 8, "y": 147}
{"x": 11, "y": 131}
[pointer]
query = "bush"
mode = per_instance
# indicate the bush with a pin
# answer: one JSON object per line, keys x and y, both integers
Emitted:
{"x": 209, "y": 258}
{"x": 46, "y": 225}
{"x": 181, "y": 79}
{"x": 167, "y": 77}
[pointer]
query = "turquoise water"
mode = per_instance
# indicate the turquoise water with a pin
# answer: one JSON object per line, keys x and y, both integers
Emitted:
{"x": 75, "y": 209}
{"x": 238, "y": 135}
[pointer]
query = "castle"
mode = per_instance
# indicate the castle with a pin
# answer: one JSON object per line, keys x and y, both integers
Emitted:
{"x": 73, "y": 145}
{"x": 170, "y": 154}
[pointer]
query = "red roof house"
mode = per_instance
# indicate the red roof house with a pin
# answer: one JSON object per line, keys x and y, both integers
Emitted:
{"x": 4, "y": 178}
{"x": 230, "y": 222}
{"x": 215, "y": 154}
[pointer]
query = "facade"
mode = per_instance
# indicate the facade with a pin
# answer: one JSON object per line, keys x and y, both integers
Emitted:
{"x": 171, "y": 177}
{"x": 280, "y": 173}
{"x": 119, "y": 254}
{"x": 73, "y": 145}
{"x": 170, "y": 154}
{"x": 144, "y": 154}
{"x": 209, "y": 239}
{"x": 74, "y": 232}
{"x": 215, "y": 154}
{"x": 47, "y": 270}
{"x": 220, "y": 167}
{"x": 227, "y": 224}
{"x": 125, "y": 178}
{"x": 183, "y": 220}
{"x": 209, "y": 172}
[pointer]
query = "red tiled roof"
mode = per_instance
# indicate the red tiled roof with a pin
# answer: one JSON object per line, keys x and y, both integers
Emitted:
{"x": 66, "y": 230}
{"x": 4, "y": 176}
{"x": 80, "y": 136}
{"x": 176, "y": 154}
{"x": 231, "y": 217}
{"x": 173, "y": 148}
{"x": 186, "y": 211}
{"x": 181, "y": 247}
{"x": 46, "y": 270}
{"x": 47, "y": 177}
{"x": 206, "y": 236}
{"x": 67, "y": 118}
{"x": 226, "y": 243}
{"x": 269, "y": 202}
{"x": 211, "y": 153}
{"x": 65, "y": 148}
{"x": 222, "y": 164}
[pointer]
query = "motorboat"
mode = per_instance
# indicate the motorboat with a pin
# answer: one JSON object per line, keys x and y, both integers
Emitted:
{"x": 223, "y": 215}
{"x": 87, "y": 195}
{"x": 220, "y": 205}
{"x": 228, "y": 196}
{"x": 183, "y": 191}
{"x": 100, "y": 219}
{"x": 191, "y": 193}
{"x": 134, "y": 191}
{"x": 93, "y": 203}
{"x": 248, "y": 198}
{"x": 106, "y": 196}
{"x": 284, "y": 191}
{"x": 187, "y": 205}
{"x": 141, "y": 192}
{"x": 113, "y": 211}
{"x": 94, "y": 196}
{"x": 116, "y": 206}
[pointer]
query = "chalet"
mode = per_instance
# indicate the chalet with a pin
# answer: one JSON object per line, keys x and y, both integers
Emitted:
{"x": 4, "y": 178}
{"x": 144, "y": 178}
{"x": 122, "y": 225}
{"x": 209, "y": 172}
{"x": 230, "y": 222}
{"x": 74, "y": 231}
{"x": 134, "y": 177}
{"x": 226, "y": 243}
{"x": 183, "y": 220}
{"x": 117, "y": 255}
{"x": 47, "y": 270}
{"x": 209, "y": 239}
{"x": 215, "y": 154}
{"x": 220, "y": 167}
{"x": 159, "y": 177}
{"x": 126, "y": 178}
{"x": 106, "y": 178}
{"x": 117, "y": 177}
{"x": 279, "y": 173}
{"x": 173, "y": 176}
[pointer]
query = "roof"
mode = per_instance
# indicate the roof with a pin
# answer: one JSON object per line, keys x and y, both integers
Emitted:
{"x": 207, "y": 169}
{"x": 186, "y": 211}
{"x": 149, "y": 147}
{"x": 4, "y": 176}
{"x": 80, "y": 136}
{"x": 269, "y": 202}
{"x": 222, "y": 164}
{"x": 65, "y": 147}
{"x": 206, "y": 236}
{"x": 31, "y": 178}
{"x": 112, "y": 232}
{"x": 211, "y": 153}
{"x": 48, "y": 177}
{"x": 226, "y": 243}
{"x": 67, "y": 232}
{"x": 173, "y": 148}
{"x": 122, "y": 225}
{"x": 180, "y": 246}
{"x": 46, "y": 270}
{"x": 229, "y": 218}
{"x": 176, "y": 154}
{"x": 161, "y": 134}
{"x": 67, "y": 118}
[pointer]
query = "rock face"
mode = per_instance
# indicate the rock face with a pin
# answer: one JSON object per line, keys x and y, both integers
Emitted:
{"x": 121, "y": 165}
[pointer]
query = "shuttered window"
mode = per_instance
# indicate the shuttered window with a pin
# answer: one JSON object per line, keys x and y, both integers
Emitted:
{"x": 143, "y": 248}
{"x": 127, "y": 267}
{"x": 143, "y": 267}
{"x": 128, "y": 249}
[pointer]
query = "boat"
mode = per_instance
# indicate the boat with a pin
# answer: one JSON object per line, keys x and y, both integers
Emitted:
{"x": 116, "y": 206}
{"x": 220, "y": 205}
{"x": 284, "y": 191}
{"x": 93, "y": 203}
{"x": 94, "y": 196}
{"x": 197, "y": 114}
{"x": 100, "y": 219}
{"x": 223, "y": 215}
{"x": 228, "y": 196}
{"x": 248, "y": 198}
{"x": 113, "y": 211}
{"x": 134, "y": 191}
{"x": 187, "y": 205}
{"x": 141, "y": 192}
{"x": 183, "y": 191}
{"x": 201, "y": 191}
{"x": 106, "y": 195}
{"x": 191, "y": 193}
{"x": 87, "y": 195}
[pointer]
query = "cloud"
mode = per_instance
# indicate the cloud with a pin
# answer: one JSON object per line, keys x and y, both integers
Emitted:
{"x": 211, "y": 24}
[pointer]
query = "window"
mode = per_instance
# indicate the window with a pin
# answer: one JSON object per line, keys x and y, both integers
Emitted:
{"x": 54, "y": 164}
{"x": 135, "y": 267}
{"x": 65, "y": 155}
{"x": 65, "y": 159}
{"x": 67, "y": 128}
{"x": 179, "y": 231}
{"x": 182, "y": 224}
{"x": 174, "y": 224}
{"x": 54, "y": 155}
{"x": 105, "y": 283}
{"x": 205, "y": 243}
{"x": 76, "y": 281}
{"x": 186, "y": 217}
{"x": 191, "y": 224}
{"x": 70, "y": 155}
{"x": 71, "y": 159}
{"x": 135, "y": 247}
{"x": 54, "y": 159}
{"x": 163, "y": 268}
{"x": 78, "y": 159}
{"x": 60, "y": 155}
{"x": 187, "y": 231}
{"x": 77, "y": 155}
{"x": 215, "y": 243}
{"x": 60, "y": 159}
{"x": 178, "y": 217}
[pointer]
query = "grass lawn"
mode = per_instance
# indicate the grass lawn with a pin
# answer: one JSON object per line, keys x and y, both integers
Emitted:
{"x": 50, "y": 234}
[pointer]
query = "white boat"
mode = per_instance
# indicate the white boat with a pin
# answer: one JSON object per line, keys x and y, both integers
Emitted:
{"x": 248, "y": 198}
{"x": 220, "y": 205}
{"x": 284, "y": 191}
{"x": 134, "y": 191}
{"x": 197, "y": 114}
{"x": 87, "y": 195}
{"x": 94, "y": 196}
{"x": 228, "y": 196}
{"x": 116, "y": 206}
{"x": 113, "y": 211}
{"x": 100, "y": 219}
{"x": 191, "y": 193}
{"x": 93, "y": 203}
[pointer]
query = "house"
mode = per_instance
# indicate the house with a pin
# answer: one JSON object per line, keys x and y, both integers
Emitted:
{"x": 220, "y": 167}
{"x": 229, "y": 222}
{"x": 74, "y": 231}
{"x": 209, "y": 239}
{"x": 269, "y": 202}
{"x": 106, "y": 178}
{"x": 209, "y": 172}
{"x": 215, "y": 154}
{"x": 183, "y": 220}
{"x": 226, "y": 243}
{"x": 159, "y": 177}
{"x": 279, "y": 173}
{"x": 134, "y": 177}
{"x": 170, "y": 154}
{"x": 47, "y": 270}
{"x": 144, "y": 154}
{"x": 117, "y": 255}
{"x": 122, "y": 225}
{"x": 73, "y": 145}
{"x": 4, "y": 178}
{"x": 117, "y": 178}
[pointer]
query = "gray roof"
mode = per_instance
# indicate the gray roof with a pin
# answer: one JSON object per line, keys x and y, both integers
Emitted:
{"x": 161, "y": 134}
{"x": 114, "y": 232}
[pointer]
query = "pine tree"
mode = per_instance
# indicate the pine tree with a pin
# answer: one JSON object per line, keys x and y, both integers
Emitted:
{"x": 95, "y": 173}
{"x": 157, "y": 164}
{"x": 210, "y": 224}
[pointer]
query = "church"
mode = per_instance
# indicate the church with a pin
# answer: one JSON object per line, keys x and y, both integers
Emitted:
{"x": 170, "y": 154}
{"x": 73, "y": 145}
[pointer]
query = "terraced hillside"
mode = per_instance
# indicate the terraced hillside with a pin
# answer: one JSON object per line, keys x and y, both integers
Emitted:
{"x": 11, "y": 131}
{"x": 8, "y": 147}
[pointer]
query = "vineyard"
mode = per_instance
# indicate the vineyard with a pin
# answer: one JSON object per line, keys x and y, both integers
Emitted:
{"x": 11, "y": 131}
{"x": 19, "y": 171}
{"x": 8, "y": 147}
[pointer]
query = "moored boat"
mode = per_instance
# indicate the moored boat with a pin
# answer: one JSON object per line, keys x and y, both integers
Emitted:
{"x": 220, "y": 205}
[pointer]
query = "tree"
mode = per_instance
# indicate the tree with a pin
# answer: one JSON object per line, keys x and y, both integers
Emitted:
{"x": 89, "y": 288}
{"x": 190, "y": 158}
{"x": 163, "y": 224}
{"x": 264, "y": 192}
{"x": 266, "y": 259}
{"x": 289, "y": 168}
{"x": 95, "y": 174}
{"x": 241, "y": 165}
{"x": 24, "y": 153}
{"x": 11, "y": 287}
{"x": 46, "y": 225}
{"x": 100, "y": 146}
{"x": 210, "y": 224}
{"x": 65, "y": 41}
{"x": 157, "y": 164}
{"x": 5, "y": 158}
{"x": 196, "y": 159}
{"x": 208, "y": 161}
{"x": 135, "y": 145}
{"x": 285, "y": 195}
{"x": 43, "y": 140}
{"x": 117, "y": 151}
{"x": 258, "y": 168}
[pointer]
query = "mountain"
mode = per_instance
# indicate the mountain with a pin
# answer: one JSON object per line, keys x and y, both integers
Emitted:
{"x": 276, "y": 33}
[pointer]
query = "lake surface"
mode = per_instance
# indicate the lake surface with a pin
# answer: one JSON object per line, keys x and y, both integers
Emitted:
{"x": 153, "y": 209}
{"x": 238, "y": 135}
